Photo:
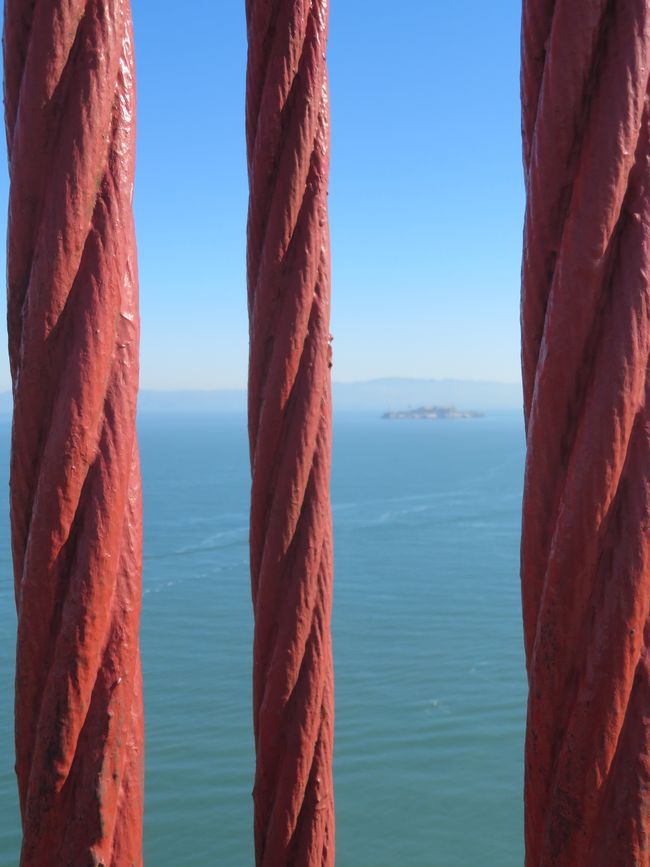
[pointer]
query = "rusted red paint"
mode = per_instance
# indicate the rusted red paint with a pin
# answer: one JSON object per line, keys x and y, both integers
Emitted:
{"x": 290, "y": 430}
{"x": 75, "y": 482}
{"x": 586, "y": 341}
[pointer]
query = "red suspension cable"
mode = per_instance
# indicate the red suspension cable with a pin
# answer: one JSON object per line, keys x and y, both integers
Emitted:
{"x": 75, "y": 481}
{"x": 586, "y": 341}
{"x": 290, "y": 430}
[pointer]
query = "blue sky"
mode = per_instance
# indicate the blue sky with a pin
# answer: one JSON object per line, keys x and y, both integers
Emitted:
{"x": 426, "y": 196}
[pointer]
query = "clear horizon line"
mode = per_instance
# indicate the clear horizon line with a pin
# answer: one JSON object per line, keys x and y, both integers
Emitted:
{"x": 509, "y": 382}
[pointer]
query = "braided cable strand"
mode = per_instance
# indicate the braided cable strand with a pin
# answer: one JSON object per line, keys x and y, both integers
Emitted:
{"x": 290, "y": 430}
{"x": 586, "y": 343}
{"x": 75, "y": 483}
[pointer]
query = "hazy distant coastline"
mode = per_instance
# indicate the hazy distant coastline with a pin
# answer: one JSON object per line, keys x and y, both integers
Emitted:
{"x": 377, "y": 395}
{"x": 431, "y": 413}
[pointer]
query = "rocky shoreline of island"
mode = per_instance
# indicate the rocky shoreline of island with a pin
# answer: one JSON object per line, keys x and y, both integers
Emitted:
{"x": 432, "y": 413}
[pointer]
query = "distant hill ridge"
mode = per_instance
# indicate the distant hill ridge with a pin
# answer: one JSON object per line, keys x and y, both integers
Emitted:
{"x": 377, "y": 395}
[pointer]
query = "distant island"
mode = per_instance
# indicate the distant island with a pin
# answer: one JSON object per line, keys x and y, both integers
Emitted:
{"x": 433, "y": 412}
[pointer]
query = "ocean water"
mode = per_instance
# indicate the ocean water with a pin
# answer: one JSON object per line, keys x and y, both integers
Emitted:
{"x": 430, "y": 683}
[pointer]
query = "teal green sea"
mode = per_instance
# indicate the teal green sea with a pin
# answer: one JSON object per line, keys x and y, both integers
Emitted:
{"x": 430, "y": 682}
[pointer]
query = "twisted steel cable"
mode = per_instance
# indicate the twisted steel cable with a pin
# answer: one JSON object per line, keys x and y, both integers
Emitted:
{"x": 586, "y": 342}
{"x": 75, "y": 483}
{"x": 287, "y": 119}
